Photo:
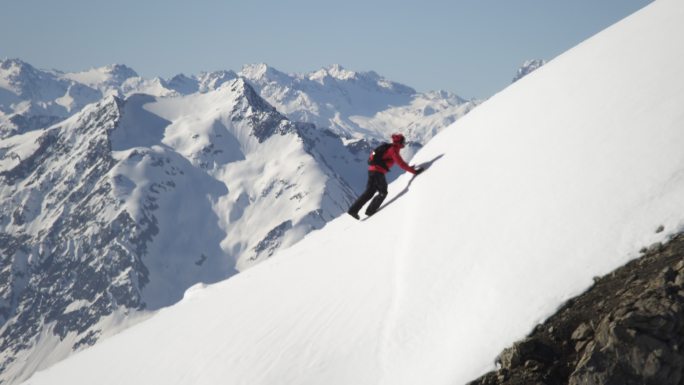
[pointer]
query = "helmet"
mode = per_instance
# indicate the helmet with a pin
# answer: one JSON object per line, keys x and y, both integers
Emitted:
{"x": 399, "y": 139}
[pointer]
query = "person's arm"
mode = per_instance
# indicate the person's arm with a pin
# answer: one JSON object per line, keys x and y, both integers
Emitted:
{"x": 400, "y": 161}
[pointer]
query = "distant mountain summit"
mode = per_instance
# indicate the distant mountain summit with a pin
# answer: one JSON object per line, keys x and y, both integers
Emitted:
{"x": 527, "y": 68}
{"x": 32, "y": 98}
{"x": 104, "y": 78}
{"x": 204, "y": 82}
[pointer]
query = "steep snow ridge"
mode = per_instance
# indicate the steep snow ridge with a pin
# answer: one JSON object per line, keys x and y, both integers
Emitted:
{"x": 524, "y": 203}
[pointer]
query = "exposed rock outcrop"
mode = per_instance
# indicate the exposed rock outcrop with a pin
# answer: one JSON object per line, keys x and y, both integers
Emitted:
{"x": 628, "y": 328}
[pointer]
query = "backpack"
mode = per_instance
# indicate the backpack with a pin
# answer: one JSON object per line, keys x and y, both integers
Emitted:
{"x": 377, "y": 154}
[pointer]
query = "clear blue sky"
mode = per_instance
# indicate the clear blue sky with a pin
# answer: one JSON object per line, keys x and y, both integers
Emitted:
{"x": 471, "y": 47}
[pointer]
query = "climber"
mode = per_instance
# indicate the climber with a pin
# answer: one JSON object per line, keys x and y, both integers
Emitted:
{"x": 382, "y": 158}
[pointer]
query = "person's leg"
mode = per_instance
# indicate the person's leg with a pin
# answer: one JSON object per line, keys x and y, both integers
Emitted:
{"x": 380, "y": 184}
{"x": 365, "y": 196}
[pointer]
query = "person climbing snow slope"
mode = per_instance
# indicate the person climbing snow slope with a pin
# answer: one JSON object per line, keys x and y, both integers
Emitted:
{"x": 379, "y": 163}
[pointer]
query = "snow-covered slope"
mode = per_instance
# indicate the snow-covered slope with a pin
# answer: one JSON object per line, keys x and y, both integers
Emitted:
{"x": 357, "y": 104}
{"x": 525, "y": 201}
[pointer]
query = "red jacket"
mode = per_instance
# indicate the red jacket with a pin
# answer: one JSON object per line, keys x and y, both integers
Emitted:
{"x": 390, "y": 156}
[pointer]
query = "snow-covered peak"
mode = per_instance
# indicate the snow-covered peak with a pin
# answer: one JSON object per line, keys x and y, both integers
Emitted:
{"x": 262, "y": 73}
{"x": 370, "y": 79}
{"x": 335, "y": 71}
{"x": 182, "y": 84}
{"x": 119, "y": 72}
{"x": 15, "y": 68}
{"x": 103, "y": 78}
{"x": 25, "y": 81}
{"x": 8, "y": 63}
{"x": 155, "y": 86}
{"x": 242, "y": 90}
{"x": 209, "y": 81}
{"x": 31, "y": 98}
{"x": 441, "y": 96}
{"x": 528, "y": 67}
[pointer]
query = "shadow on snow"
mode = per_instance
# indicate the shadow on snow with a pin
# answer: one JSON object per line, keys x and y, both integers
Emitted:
{"x": 424, "y": 166}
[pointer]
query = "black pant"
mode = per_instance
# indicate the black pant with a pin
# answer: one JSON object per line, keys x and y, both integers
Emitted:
{"x": 376, "y": 183}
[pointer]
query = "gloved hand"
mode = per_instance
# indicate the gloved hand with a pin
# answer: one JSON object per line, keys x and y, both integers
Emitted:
{"x": 418, "y": 169}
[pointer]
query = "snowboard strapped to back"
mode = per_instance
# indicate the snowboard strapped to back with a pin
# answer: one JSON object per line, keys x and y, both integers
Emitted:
{"x": 377, "y": 154}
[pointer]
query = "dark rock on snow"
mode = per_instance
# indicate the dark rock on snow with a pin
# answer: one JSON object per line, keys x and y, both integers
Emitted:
{"x": 628, "y": 328}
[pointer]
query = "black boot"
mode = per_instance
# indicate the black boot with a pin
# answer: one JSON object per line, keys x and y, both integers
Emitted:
{"x": 376, "y": 183}
{"x": 353, "y": 214}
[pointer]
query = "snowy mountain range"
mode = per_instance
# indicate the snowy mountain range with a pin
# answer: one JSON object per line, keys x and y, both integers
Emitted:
{"x": 359, "y": 105}
{"x": 118, "y": 193}
{"x": 523, "y": 203}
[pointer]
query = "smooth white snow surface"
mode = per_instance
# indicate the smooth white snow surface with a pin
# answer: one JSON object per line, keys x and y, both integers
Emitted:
{"x": 563, "y": 176}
